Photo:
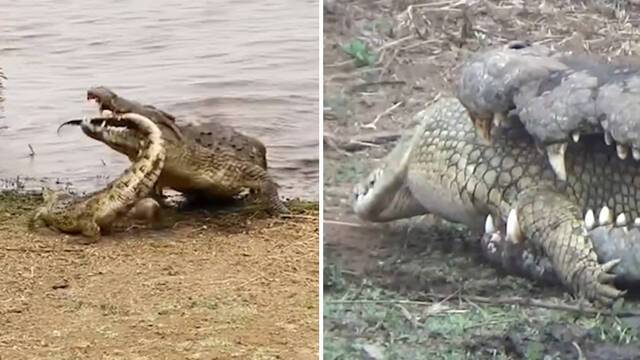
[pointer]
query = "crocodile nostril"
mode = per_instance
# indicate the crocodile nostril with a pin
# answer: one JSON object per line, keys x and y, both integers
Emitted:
{"x": 518, "y": 44}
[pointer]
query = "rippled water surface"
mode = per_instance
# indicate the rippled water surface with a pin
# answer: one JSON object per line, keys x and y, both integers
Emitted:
{"x": 252, "y": 65}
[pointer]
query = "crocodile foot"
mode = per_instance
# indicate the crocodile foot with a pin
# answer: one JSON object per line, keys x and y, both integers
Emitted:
{"x": 612, "y": 240}
{"x": 510, "y": 253}
{"x": 588, "y": 256}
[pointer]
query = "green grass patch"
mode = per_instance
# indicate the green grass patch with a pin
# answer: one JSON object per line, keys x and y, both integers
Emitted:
{"x": 360, "y": 52}
{"x": 363, "y": 319}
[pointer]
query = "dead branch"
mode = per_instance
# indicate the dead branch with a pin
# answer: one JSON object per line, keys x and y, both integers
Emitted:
{"x": 372, "y": 125}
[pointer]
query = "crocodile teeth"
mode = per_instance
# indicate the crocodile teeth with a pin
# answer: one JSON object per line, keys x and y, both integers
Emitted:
{"x": 514, "y": 234}
{"x": 621, "y": 220}
{"x": 498, "y": 119}
{"x": 605, "y": 217}
{"x": 622, "y": 151}
{"x": 489, "y": 226}
{"x": 483, "y": 126}
{"x": 607, "y": 138}
{"x": 555, "y": 153}
{"x": 635, "y": 152}
{"x": 589, "y": 220}
{"x": 575, "y": 136}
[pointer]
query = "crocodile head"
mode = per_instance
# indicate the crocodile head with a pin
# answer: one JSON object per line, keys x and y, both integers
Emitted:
{"x": 104, "y": 98}
{"x": 557, "y": 97}
{"x": 490, "y": 80}
{"x": 110, "y": 103}
{"x": 52, "y": 201}
{"x": 49, "y": 196}
{"x": 384, "y": 195}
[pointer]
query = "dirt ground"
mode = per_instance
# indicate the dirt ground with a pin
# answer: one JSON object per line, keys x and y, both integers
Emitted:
{"x": 418, "y": 288}
{"x": 236, "y": 285}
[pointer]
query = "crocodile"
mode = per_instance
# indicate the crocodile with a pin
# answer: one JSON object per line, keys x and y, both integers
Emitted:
{"x": 582, "y": 226}
{"x": 211, "y": 135}
{"x": 217, "y": 165}
{"x": 95, "y": 213}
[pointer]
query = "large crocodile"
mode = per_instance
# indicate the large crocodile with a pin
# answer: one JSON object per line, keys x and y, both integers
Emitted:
{"x": 446, "y": 168}
{"x": 220, "y": 163}
{"x": 211, "y": 135}
{"x": 94, "y": 213}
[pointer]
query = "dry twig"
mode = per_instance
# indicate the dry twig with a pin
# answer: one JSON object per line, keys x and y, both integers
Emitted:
{"x": 372, "y": 125}
{"x": 344, "y": 223}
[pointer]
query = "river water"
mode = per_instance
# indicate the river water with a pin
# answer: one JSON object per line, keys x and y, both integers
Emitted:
{"x": 252, "y": 65}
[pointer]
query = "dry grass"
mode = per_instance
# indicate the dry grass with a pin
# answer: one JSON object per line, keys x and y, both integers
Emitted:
{"x": 238, "y": 285}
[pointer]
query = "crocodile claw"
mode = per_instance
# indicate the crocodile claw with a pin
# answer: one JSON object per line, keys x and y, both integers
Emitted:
{"x": 609, "y": 265}
{"x": 597, "y": 284}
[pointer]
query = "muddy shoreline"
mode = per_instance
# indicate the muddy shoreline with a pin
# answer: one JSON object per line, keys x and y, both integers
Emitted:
{"x": 205, "y": 284}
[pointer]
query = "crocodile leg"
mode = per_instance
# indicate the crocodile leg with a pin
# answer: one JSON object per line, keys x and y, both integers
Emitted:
{"x": 36, "y": 221}
{"x": 158, "y": 195}
{"x": 275, "y": 206}
{"x": 90, "y": 229}
{"x": 610, "y": 242}
{"x": 554, "y": 224}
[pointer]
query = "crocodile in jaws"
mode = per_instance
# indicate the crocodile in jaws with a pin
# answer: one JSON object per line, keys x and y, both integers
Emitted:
{"x": 94, "y": 213}
{"x": 448, "y": 169}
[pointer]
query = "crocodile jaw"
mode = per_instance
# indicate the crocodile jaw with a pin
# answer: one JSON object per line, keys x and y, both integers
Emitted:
{"x": 121, "y": 139}
{"x": 370, "y": 197}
